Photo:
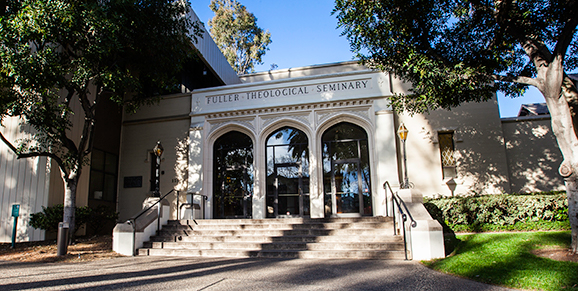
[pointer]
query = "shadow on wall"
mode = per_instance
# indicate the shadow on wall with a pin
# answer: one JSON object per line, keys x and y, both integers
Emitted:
{"x": 479, "y": 151}
{"x": 481, "y": 159}
{"x": 450, "y": 239}
{"x": 181, "y": 163}
{"x": 533, "y": 155}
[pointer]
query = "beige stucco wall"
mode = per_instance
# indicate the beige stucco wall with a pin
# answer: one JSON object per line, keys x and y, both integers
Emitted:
{"x": 168, "y": 122}
{"x": 533, "y": 154}
{"x": 479, "y": 150}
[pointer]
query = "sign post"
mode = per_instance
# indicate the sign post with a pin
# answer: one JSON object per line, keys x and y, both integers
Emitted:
{"x": 15, "y": 214}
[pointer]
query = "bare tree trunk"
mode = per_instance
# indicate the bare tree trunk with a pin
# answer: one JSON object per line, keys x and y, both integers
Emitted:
{"x": 70, "y": 184}
{"x": 551, "y": 78}
{"x": 571, "y": 192}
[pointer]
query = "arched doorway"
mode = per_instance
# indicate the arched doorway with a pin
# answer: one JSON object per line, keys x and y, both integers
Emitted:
{"x": 346, "y": 171}
{"x": 287, "y": 174}
{"x": 233, "y": 176}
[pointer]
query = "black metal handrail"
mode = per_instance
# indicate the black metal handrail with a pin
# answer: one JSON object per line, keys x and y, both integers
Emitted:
{"x": 413, "y": 222}
{"x": 392, "y": 206}
{"x": 204, "y": 198}
{"x": 396, "y": 200}
{"x": 132, "y": 221}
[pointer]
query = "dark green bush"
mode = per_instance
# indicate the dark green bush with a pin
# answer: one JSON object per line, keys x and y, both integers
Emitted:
{"x": 99, "y": 217}
{"x": 49, "y": 218}
{"x": 495, "y": 212}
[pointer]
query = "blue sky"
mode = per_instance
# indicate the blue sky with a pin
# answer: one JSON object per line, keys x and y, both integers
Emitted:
{"x": 304, "y": 33}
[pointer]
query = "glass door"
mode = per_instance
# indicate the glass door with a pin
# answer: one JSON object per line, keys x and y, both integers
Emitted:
{"x": 346, "y": 188}
{"x": 234, "y": 200}
{"x": 287, "y": 174}
{"x": 233, "y": 176}
{"x": 290, "y": 195}
{"x": 346, "y": 171}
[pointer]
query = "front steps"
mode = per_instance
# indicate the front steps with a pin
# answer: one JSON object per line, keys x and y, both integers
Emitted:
{"x": 325, "y": 238}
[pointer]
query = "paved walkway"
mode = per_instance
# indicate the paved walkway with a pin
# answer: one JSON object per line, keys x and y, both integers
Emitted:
{"x": 171, "y": 273}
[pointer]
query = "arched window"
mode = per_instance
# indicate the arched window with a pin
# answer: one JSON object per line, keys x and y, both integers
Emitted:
{"x": 233, "y": 176}
{"x": 287, "y": 174}
{"x": 346, "y": 172}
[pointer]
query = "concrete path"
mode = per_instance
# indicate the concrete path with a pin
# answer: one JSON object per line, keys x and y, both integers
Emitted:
{"x": 171, "y": 273}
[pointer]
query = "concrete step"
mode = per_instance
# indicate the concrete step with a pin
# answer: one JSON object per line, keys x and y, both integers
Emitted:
{"x": 356, "y": 237}
{"x": 277, "y": 232}
{"x": 280, "y": 220}
{"x": 309, "y": 254}
{"x": 277, "y": 246}
{"x": 281, "y": 226}
{"x": 270, "y": 239}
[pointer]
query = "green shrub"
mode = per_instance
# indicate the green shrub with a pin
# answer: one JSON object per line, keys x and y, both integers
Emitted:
{"x": 501, "y": 212}
{"x": 50, "y": 217}
{"x": 99, "y": 216}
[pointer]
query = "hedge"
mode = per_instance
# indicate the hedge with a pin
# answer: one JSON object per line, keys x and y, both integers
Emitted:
{"x": 95, "y": 218}
{"x": 493, "y": 212}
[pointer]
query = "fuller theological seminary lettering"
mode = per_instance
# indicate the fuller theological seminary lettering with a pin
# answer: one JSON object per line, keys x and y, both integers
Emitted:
{"x": 290, "y": 91}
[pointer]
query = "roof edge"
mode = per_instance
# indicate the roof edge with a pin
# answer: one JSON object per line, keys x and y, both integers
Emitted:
{"x": 212, "y": 55}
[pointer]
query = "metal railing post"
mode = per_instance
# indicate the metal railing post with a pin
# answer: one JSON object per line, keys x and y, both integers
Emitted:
{"x": 159, "y": 217}
{"x": 178, "y": 197}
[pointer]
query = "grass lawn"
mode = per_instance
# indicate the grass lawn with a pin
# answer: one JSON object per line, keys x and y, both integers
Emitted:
{"x": 505, "y": 259}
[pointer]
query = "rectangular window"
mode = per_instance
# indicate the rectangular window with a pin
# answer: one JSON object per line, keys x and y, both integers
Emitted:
{"x": 103, "y": 175}
{"x": 446, "y": 142}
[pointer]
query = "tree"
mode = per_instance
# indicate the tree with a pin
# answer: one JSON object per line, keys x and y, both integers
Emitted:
{"x": 55, "y": 54}
{"x": 235, "y": 31}
{"x": 461, "y": 51}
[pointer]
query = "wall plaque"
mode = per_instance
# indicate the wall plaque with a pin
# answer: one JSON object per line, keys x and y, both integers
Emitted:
{"x": 133, "y": 182}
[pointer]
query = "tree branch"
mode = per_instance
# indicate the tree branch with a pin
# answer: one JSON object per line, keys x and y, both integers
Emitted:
{"x": 538, "y": 52}
{"x": 9, "y": 144}
{"x": 68, "y": 97}
{"x": 61, "y": 135}
{"x": 567, "y": 34}
{"x": 56, "y": 158}
{"x": 88, "y": 127}
{"x": 98, "y": 93}
{"x": 517, "y": 79}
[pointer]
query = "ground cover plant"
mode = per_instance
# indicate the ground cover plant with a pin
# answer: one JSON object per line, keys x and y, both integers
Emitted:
{"x": 507, "y": 259}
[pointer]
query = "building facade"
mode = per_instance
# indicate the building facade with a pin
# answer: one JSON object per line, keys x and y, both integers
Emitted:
{"x": 316, "y": 141}
{"x": 321, "y": 141}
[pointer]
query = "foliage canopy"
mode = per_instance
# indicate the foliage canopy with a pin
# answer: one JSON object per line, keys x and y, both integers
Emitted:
{"x": 61, "y": 58}
{"x": 457, "y": 51}
{"x": 53, "y": 52}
